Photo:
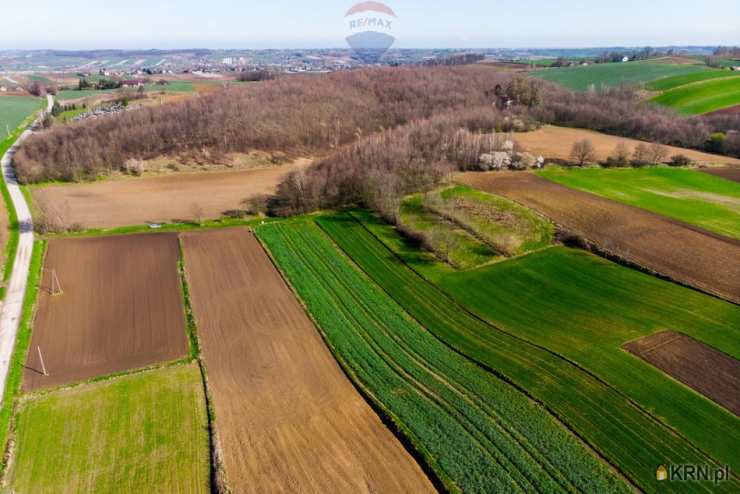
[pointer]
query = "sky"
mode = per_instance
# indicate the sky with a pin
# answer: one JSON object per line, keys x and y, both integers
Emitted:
{"x": 167, "y": 24}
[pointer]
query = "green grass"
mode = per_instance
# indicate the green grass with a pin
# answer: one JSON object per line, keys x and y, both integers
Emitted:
{"x": 68, "y": 94}
{"x": 507, "y": 227}
{"x": 144, "y": 432}
{"x": 630, "y": 437}
{"x": 447, "y": 239}
{"x": 67, "y": 116}
{"x": 666, "y": 83}
{"x": 22, "y": 340}
{"x": 690, "y": 196}
{"x": 602, "y": 306}
{"x": 475, "y": 431}
{"x": 14, "y": 110}
{"x": 172, "y": 87}
{"x": 613, "y": 74}
{"x": 705, "y": 97}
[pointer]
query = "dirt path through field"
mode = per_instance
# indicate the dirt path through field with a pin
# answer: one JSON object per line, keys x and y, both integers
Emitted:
{"x": 287, "y": 418}
{"x": 556, "y": 143}
{"x": 681, "y": 252}
{"x": 119, "y": 308}
{"x": 166, "y": 198}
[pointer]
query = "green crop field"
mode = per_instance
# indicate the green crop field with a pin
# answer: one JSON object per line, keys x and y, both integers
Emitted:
{"x": 144, "y": 432}
{"x": 69, "y": 94}
{"x": 602, "y": 306}
{"x": 171, "y": 87}
{"x": 629, "y": 436}
{"x": 14, "y": 110}
{"x": 704, "y": 97}
{"x": 477, "y": 432}
{"x": 614, "y": 74}
{"x": 690, "y": 196}
{"x": 667, "y": 83}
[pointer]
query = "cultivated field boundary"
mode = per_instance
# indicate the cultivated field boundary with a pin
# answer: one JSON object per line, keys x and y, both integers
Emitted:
{"x": 637, "y": 406}
{"x": 218, "y": 480}
{"x": 405, "y": 437}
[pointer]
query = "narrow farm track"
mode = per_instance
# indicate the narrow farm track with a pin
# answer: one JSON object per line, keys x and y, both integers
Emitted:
{"x": 13, "y": 303}
{"x": 486, "y": 435}
{"x": 287, "y": 418}
{"x": 668, "y": 247}
{"x": 627, "y": 435}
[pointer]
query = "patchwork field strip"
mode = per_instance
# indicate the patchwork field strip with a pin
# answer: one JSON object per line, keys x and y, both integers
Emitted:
{"x": 623, "y": 432}
{"x": 673, "y": 249}
{"x": 287, "y": 418}
{"x": 477, "y": 432}
{"x": 106, "y": 304}
{"x": 712, "y": 373}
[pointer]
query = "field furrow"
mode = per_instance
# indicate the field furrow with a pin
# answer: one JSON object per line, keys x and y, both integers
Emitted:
{"x": 625, "y": 434}
{"x": 437, "y": 398}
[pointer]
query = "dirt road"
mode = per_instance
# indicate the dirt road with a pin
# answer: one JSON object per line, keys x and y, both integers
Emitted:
{"x": 16, "y": 290}
{"x": 681, "y": 252}
{"x": 557, "y": 142}
{"x": 166, "y": 198}
{"x": 288, "y": 419}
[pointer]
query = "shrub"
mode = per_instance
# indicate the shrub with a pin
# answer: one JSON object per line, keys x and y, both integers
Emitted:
{"x": 680, "y": 160}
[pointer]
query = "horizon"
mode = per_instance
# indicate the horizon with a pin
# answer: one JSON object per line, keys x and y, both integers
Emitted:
{"x": 466, "y": 24}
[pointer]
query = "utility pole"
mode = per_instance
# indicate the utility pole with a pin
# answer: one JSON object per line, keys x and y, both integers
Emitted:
{"x": 56, "y": 287}
{"x": 41, "y": 358}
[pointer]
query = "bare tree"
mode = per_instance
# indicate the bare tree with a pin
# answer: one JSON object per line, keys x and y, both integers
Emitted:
{"x": 642, "y": 155}
{"x": 658, "y": 153}
{"x": 583, "y": 152}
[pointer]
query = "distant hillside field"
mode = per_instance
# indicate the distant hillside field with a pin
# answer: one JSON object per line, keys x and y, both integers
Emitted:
{"x": 614, "y": 74}
{"x": 666, "y": 83}
{"x": 14, "y": 109}
{"x": 705, "y": 97}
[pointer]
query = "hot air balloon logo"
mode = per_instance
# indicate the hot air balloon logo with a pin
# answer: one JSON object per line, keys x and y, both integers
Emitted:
{"x": 369, "y": 27}
{"x": 661, "y": 473}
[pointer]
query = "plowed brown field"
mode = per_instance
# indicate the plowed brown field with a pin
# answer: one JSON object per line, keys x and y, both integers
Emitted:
{"x": 727, "y": 172}
{"x": 136, "y": 201}
{"x": 708, "y": 371}
{"x": 287, "y": 418}
{"x": 681, "y": 252}
{"x": 121, "y": 308}
{"x": 556, "y": 143}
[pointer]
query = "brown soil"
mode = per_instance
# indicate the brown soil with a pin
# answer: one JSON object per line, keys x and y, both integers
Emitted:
{"x": 732, "y": 110}
{"x": 684, "y": 253}
{"x": 699, "y": 366}
{"x": 728, "y": 172}
{"x": 288, "y": 419}
{"x": 556, "y": 143}
{"x": 121, "y": 308}
{"x": 166, "y": 198}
